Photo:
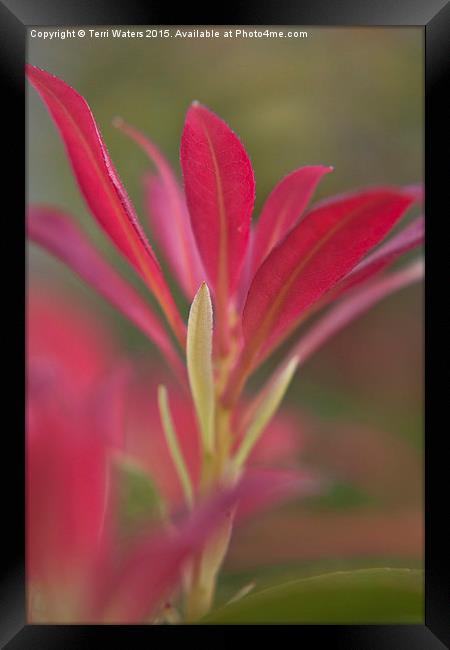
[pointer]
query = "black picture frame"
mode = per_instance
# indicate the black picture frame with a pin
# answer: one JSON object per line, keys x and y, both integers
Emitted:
{"x": 434, "y": 17}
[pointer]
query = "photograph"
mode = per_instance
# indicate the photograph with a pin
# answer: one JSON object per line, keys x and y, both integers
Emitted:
{"x": 225, "y": 325}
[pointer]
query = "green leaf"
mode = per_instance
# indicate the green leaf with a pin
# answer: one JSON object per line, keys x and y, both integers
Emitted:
{"x": 346, "y": 597}
{"x": 271, "y": 398}
{"x": 174, "y": 447}
{"x": 139, "y": 499}
{"x": 199, "y": 363}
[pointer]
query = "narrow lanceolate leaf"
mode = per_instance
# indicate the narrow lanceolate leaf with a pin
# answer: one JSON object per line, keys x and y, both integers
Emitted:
{"x": 100, "y": 184}
{"x": 325, "y": 246}
{"x": 199, "y": 363}
{"x": 168, "y": 216}
{"x": 220, "y": 192}
{"x": 283, "y": 208}
{"x": 356, "y": 304}
{"x": 174, "y": 446}
{"x": 265, "y": 410}
{"x": 409, "y": 238}
{"x": 55, "y": 231}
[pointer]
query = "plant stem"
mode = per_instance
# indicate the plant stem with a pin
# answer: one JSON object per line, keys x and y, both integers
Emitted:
{"x": 200, "y": 598}
{"x": 204, "y": 570}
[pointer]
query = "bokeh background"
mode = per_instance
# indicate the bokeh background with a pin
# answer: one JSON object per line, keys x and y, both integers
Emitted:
{"x": 352, "y": 98}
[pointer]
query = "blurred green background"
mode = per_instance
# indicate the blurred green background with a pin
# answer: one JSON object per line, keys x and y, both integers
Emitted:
{"x": 352, "y": 98}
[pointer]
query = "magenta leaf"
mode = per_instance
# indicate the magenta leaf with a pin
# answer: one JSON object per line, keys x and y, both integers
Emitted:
{"x": 56, "y": 232}
{"x": 325, "y": 246}
{"x": 152, "y": 569}
{"x": 407, "y": 239}
{"x": 168, "y": 216}
{"x": 100, "y": 184}
{"x": 355, "y": 304}
{"x": 66, "y": 477}
{"x": 283, "y": 208}
{"x": 220, "y": 192}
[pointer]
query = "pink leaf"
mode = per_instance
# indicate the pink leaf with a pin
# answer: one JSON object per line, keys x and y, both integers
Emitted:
{"x": 358, "y": 302}
{"x": 66, "y": 484}
{"x": 266, "y": 487}
{"x": 55, "y": 231}
{"x": 152, "y": 569}
{"x": 325, "y": 246}
{"x": 100, "y": 184}
{"x": 169, "y": 216}
{"x": 107, "y": 406}
{"x": 404, "y": 241}
{"x": 175, "y": 237}
{"x": 282, "y": 209}
{"x": 220, "y": 192}
{"x": 62, "y": 333}
{"x": 416, "y": 191}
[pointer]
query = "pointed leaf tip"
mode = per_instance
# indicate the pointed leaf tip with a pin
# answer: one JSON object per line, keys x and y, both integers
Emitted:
{"x": 57, "y": 233}
{"x": 271, "y": 398}
{"x": 314, "y": 256}
{"x": 168, "y": 214}
{"x": 283, "y": 208}
{"x": 101, "y": 186}
{"x": 220, "y": 193}
{"x": 199, "y": 362}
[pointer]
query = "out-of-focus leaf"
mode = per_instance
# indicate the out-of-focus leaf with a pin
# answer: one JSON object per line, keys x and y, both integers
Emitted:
{"x": 56, "y": 231}
{"x": 168, "y": 215}
{"x": 101, "y": 186}
{"x": 220, "y": 192}
{"x": 173, "y": 445}
{"x": 140, "y": 502}
{"x": 129, "y": 591}
{"x": 365, "y": 596}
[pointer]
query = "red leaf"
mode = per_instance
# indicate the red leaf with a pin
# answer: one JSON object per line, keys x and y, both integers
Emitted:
{"x": 168, "y": 216}
{"x": 100, "y": 184}
{"x": 314, "y": 256}
{"x": 175, "y": 238}
{"x": 404, "y": 241}
{"x": 282, "y": 209}
{"x": 220, "y": 192}
{"x": 357, "y": 303}
{"x": 55, "y": 231}
{"x": 132, "y": 591}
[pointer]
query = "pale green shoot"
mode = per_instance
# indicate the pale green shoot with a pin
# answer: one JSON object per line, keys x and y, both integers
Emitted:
{"x": 265, "y": 410}
{"x": 174, "y": 447}
{"x": 199, "y": 363}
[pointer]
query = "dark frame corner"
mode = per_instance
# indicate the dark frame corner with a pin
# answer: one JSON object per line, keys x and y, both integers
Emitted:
{"x": 434, "y": 16}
